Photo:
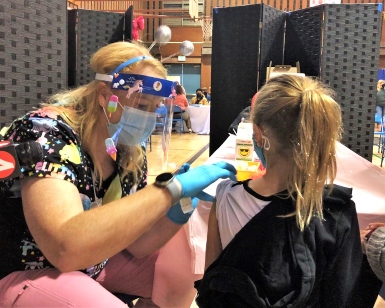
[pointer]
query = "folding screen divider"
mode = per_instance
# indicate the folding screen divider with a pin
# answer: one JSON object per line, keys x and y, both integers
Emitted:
{"x": 338, "y": 43}
{"x": 87, "y": 32}
{"x": 33, "y": 54}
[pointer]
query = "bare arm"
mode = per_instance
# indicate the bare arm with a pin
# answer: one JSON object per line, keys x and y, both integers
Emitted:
{"x": 73, "y": 239}
{"x": 163, "y": 230}
{"x": 213, "y": 245}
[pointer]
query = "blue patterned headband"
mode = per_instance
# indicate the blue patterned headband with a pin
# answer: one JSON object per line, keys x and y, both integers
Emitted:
{"x": 137, "y": 83}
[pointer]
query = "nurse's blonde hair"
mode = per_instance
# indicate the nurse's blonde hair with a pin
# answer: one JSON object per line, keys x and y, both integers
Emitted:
{"x": 80, "y": 107}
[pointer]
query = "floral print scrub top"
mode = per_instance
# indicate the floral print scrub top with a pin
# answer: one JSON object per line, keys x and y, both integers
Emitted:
{"x": 65, "y": 159}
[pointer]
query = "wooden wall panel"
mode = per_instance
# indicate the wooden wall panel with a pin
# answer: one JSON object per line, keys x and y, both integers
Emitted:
{"x": 180, "y": 34}
{"x": 206, "y": 71}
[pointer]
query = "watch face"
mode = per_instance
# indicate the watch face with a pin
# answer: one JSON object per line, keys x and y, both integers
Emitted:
{"x": 164, "y": 177}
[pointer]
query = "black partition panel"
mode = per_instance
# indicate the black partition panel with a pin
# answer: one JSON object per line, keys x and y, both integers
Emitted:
{"x": 234, "y": 66}
{"x": 340, "y": 44}
{"x": 350, "y": 57}
{"x": 303, "y": 38}
{"x": 123, "y": 31}
{"x": 245, "y": 40}
{"x": 272, "y": 42}
{"x": 33, "y": 54}
{"x": 94, "y": 30}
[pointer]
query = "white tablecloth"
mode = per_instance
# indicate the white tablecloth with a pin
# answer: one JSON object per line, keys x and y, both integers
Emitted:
{"x": 200, "y": 118}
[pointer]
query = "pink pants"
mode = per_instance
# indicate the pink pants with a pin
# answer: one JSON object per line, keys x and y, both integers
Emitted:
{"x": 51, "y": 288}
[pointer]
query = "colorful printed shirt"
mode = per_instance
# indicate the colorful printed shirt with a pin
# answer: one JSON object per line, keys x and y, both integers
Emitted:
{"x": 65, "y": 159}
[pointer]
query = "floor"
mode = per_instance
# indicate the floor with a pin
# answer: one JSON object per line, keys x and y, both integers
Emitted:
{"x": 194, "y": 149}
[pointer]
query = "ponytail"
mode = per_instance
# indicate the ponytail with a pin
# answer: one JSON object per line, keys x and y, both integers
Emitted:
{"x": 305, "y": 120}
{"x": 314, "y": 153}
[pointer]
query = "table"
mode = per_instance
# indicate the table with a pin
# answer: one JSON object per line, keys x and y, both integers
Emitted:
{"x": 366, "y": 179}
{"x": 181, "y": 260}
{"x": 200, "y": 118}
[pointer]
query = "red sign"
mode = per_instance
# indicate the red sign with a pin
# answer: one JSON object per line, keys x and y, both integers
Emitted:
{"x": 7, "y": 164}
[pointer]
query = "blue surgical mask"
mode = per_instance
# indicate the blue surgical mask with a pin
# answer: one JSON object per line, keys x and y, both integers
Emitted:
{"x": 134, "y": 127}
{"x": 259, "y": 150}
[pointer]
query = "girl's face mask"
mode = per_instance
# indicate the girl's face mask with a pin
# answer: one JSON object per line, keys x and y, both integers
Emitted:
{"x": 259, "y": 150}
{"x": 135, "y": 126}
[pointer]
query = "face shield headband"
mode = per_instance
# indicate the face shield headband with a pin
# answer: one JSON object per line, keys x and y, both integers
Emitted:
{"x": 137, "y": 83}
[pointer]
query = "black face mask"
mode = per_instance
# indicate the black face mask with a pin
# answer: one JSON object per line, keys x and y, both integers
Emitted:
{"x": 199, "y": 95}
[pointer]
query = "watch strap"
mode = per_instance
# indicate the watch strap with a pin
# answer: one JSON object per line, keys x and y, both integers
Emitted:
{"x": 175, "y": 189}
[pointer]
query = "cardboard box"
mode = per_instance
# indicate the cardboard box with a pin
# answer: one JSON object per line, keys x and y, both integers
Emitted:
{"x": 245, "y": 130}
{"x": 244, "y": 149}
{"x": 283, "y": 69}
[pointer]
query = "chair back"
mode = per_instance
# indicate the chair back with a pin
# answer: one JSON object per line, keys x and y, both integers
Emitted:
{"x": 178, "y": 118}
{"x": 177, "y": 109}
{"x": 162, "y": 110}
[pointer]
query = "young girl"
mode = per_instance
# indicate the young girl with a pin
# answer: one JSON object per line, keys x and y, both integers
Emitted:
{"x": 287, "y": 239}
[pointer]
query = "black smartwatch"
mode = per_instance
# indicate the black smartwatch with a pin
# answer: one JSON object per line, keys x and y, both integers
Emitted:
{"x": 168, "y": 180}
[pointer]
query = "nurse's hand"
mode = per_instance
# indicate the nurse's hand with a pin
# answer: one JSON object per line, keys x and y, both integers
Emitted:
{"x": 193, "y": 181}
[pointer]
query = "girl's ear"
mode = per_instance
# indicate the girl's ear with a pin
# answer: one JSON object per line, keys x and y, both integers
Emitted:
{"x": 104, "y": 94}
{"x": 257, "y": 134}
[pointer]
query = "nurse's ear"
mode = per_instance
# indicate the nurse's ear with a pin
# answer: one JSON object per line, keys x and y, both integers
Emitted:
{"x": 104, "y": 94}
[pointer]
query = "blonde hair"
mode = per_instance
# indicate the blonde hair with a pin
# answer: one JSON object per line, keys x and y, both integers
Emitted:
{"x": 303, "y": 118}
{"x": 80, "y": 107}
{"x": 380, "y": 83}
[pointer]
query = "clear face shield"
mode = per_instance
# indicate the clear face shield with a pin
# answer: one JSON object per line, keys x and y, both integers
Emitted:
{"x": 144, "y": 111}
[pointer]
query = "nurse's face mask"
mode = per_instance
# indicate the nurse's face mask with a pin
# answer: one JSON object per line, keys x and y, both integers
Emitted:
{"x": 144, "y": 94}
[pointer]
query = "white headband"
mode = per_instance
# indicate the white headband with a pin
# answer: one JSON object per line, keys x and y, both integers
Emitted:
{"x": 103, "y": 77}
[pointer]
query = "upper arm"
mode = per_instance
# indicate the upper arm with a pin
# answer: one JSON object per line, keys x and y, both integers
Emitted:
{"x": 48, "y": 203}
{"x": 213, "y": 245}
{"x": 376, "y": 252}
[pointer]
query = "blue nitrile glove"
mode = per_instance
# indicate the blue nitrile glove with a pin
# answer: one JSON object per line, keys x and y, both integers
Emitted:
{"x": 175, "y": 213}
{"x": 202, "y": 195}
{"x": 193, "y": 181}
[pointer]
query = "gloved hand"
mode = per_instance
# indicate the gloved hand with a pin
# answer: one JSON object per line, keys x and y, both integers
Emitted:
{"x": 201, "y": 195}
{"x": 194, "y": 180}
